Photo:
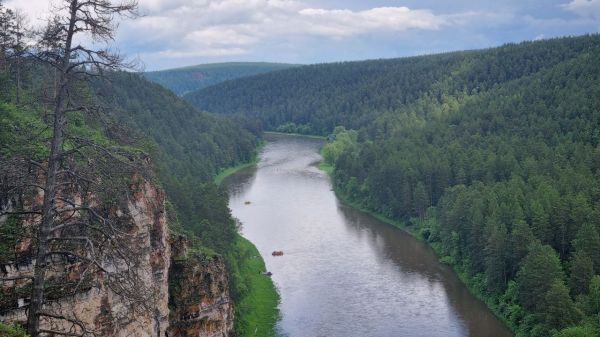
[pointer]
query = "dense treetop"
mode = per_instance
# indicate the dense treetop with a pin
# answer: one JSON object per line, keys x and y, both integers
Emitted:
{"x": 190, "y": 148}
{"x": 354, "y": 93}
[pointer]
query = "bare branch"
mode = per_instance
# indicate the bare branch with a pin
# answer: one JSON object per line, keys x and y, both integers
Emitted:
{"x": 16, "y": 278}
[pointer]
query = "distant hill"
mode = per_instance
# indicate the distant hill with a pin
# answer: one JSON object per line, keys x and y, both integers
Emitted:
{"x": 321, "y": 96}
{"x": 187, "y": 79}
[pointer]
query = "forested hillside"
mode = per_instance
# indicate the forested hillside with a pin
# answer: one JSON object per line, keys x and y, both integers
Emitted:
{"x": 352, "y": 94}
{"x": 130, "y": 115}
{"x": 492, "y": 156}
{"x": 191, "y": 148}
{"x": 187, "y": 79}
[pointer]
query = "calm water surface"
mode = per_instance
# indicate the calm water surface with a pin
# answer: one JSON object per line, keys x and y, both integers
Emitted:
{"x": 345, "y": 273}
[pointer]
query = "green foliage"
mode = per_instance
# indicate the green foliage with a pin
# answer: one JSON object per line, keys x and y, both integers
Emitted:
{"x": 293, "y": 128}
{"x": 592, "y": 302}
{"x": 582, "y": 271}
{"x": 12, "y": 331}
{"x": 539, "y": 271}
{"x": 219, "y": 178}
{"x": 560, "y": 310}
{"x": 189, "y": 148}
{"x": 353, "y": 94}
{"x": 587, "y": 241}
{"x": 10, "y": 234}
{"x": 341, "y": 141}
{"x": 577, "y": 331}
{"x": 19, "y": 128}
{"x": 255, "y": 295}
{"x": 187, "y": 79}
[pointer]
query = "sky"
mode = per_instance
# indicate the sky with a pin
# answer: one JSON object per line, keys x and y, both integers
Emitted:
{"x": 176, "y": 33}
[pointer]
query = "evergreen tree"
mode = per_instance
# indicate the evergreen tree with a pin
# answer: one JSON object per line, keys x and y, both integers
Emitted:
{"x": 587, "y": 241}
{"x": 521, "y": 237}
{"x": 582, "y": 271}
{"x": 559, "y": 309}
{"x": 496, "y": 269}
{"x": 592, "y": 303}
{"x": 539, "y": 271}
{"x": 421, "y": 200}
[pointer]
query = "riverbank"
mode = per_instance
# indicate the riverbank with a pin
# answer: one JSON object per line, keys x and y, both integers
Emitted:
{"x": 219, "y": 178}
{"x": 294, "y": 134}
{"x": 256, "y": 311}
{"x": 474, "y": 286}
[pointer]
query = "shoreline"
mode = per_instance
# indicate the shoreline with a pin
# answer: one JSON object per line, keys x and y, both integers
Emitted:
{"x": 410, "y": 230}
{"x": 258, "y": 310}
{"x": 229, "y": 171}
{"x": 294, "y": 134}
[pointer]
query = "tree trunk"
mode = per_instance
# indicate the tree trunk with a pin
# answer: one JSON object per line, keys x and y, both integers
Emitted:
{"x": 39, "y": 274}
{"x": 18, "y": 75}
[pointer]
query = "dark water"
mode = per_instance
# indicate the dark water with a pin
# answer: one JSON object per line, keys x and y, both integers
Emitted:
{"x": 345, "y": 273}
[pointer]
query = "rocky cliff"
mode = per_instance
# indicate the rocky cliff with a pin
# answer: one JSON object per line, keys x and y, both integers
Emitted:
{"x": 200, "y": 303}
{"x": 196, "y": 288}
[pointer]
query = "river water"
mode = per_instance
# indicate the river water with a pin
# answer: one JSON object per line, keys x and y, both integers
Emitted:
{"x": 343, "y": 272}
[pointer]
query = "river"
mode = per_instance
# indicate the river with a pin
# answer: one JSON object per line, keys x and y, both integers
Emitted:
{"x": 343, "y": 272}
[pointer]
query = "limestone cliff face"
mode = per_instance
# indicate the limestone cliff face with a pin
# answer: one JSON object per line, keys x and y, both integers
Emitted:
{"x": 200, "y": 303}
{"x": 199, "y": 297}
{"x": 98, "y": 307}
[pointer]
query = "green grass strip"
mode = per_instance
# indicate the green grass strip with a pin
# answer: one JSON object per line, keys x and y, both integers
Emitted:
{"x": 257, "y": 311}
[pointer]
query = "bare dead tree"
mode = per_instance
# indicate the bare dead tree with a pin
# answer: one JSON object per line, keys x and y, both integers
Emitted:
{"x": 70, "y": 227}
{"x": 88, "y": 237}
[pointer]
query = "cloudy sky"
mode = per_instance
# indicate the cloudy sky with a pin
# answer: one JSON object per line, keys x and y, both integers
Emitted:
{"x": 173, "y": 33}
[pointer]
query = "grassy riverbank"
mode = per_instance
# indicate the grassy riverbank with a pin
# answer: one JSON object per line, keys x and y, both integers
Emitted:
{"x": 257, "y": 299}
{"x": 218, "y": 179}
{"x": 256, "y": 311}
{"x": 226, "y": 172}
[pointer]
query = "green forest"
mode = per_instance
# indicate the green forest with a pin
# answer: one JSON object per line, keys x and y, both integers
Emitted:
{"x": 188, "y": 79}
{"x": 492, "y": 156}
{"x": 186, "y": 148}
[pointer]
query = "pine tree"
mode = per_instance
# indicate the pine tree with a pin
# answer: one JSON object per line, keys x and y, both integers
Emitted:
{"x": 540, "y": 269}
{"x": 496, "y": 268}
{"x": 582, "y": 271}
{"x": 559, "y": 309}
{"x": 587, "y": 241}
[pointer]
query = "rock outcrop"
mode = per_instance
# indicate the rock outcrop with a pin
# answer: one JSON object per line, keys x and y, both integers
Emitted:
{"x": 195, "y": 288}
{"x": 200, "y": 302}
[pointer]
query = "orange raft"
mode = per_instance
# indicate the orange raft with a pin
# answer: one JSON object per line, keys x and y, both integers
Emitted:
{"x": 277, "y": 253}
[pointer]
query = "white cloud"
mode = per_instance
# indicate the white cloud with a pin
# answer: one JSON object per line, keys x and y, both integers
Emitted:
{"x": 585, "y": 8}
{"x": 36, "y": 10}
{"x": 206, "y": 52}
{"x": 232, "y": 27}
{"x": 178, "y": 32}
{"x": 344, "y": 22}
